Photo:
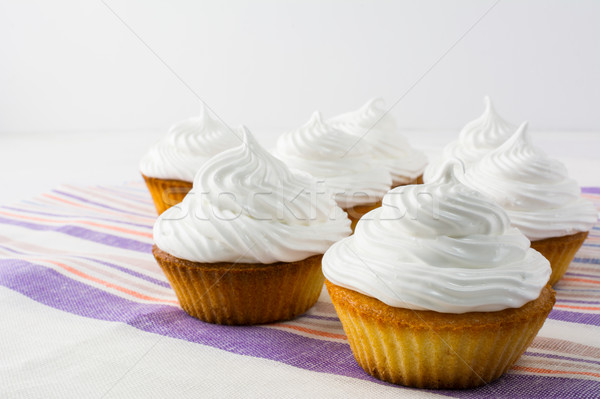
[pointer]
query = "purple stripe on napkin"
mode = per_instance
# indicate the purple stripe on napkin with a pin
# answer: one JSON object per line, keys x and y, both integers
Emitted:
{"x": 129, "y": 271}
{"x": 551, "y": 356}
{"x": 590, "y": 190}
{"x": 76, "y": 216}
{"x": 53, "y": 289}
{"x": 85, "y": 234}
{"x": 99, "y": 204}
{"x": 591, "y": 319}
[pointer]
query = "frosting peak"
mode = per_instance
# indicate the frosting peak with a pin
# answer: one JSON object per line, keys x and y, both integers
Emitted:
{"x": 326, "y": 152}
{"x": 530, "y": 164}
{"x": 374, "y": 124}
{"x": 463, "y": 214}
{"x": 371, "y": 115}
{"x": 535, "y": 190}
{"x": 187, "y": 145}
{"x": 476, "y": 139}
{"x": 439, "y": 246}
{"x": 247, "y": 206}
{"x": 486, "y": 132}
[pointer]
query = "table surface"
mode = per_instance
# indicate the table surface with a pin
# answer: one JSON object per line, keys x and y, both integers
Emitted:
{"x": 88, "y": 313}
{"x": 32, "y": 163}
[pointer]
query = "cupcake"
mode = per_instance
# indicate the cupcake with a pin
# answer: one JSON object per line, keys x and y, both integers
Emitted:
{"x": 539, "y": 197}
{"x": 373, "y": 123}
{"x": 475, "y": 140}
{"x": 357, "y": 182}
{"x": 245, "y": 245}
{"x": 168, "y": 168}
{"x": 436, "y": 289}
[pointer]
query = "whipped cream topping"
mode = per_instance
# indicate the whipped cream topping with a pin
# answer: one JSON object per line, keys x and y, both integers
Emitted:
{"x": 247, "y": 206}
{"x": 476, "y": 139}
{"x": 373, "y": 124}
{"x": 439, "y": 246}
{"x": 534, "y": 189}
{"x": 186, "y": 147}
{"x": 324, "y": 151}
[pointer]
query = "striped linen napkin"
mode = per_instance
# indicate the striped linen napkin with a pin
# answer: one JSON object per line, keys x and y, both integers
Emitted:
{"x": 81, "y": 256}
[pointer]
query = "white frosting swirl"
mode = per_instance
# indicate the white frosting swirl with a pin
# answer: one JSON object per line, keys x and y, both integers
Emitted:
{"x": 376, "y": 126}
{"x": 322, "y": 150}
{"x": 535, "y": 190}
{"x": 247, "y": 206}
{"x": 476, "y": 139}
{"x": 440, "y": 246}
{"x": 186, "y": 147}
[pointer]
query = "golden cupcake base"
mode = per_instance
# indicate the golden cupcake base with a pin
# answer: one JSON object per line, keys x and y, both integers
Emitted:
{"x": 243, "y": 293}
{"x": 417, "y": 180}
{"x": 560, "y": 251}
{"x": 426, "y": 349}
{"x": 358, "y": 211}
{"x": 166, "y": 192}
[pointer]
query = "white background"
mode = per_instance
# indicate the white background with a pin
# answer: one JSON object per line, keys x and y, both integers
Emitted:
{"x": 82, "y": 98}
{"x": 269, "y": 64}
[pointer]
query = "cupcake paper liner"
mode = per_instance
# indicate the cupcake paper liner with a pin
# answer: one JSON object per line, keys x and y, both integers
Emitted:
{"x": 560, "y": 251}
{"x": 427, "y": 349}
{"x": 166, "y": 192}
{"x": 243, "y": 293}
